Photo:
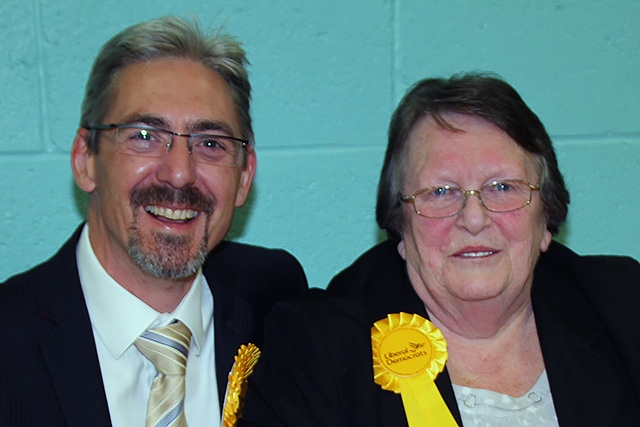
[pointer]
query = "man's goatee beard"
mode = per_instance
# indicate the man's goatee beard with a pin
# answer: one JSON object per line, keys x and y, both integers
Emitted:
{"x": 165, "y": 255}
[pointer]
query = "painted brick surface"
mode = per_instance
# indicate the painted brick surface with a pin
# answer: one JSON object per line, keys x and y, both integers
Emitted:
{"x": 19, "y": 80}
{"x": 326, "y": 77}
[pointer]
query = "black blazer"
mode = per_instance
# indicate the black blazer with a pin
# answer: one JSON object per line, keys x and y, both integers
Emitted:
{"x": 316, "y": 366}
{"x": 49, "y": 369}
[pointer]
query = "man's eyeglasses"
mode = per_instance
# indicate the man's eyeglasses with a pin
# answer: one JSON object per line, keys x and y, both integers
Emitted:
{"x": 148, "y": 141}
{"x": 499, "y": 196}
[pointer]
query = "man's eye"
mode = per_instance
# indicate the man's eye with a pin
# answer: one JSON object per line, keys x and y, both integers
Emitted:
{"x": 213, "y": 143}
{"x": 143, "y": 134}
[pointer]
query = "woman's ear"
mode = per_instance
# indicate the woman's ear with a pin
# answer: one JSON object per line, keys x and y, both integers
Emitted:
{"x": 402, "y": 250}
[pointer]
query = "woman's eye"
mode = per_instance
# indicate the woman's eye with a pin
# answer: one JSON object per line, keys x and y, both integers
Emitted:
{"x": 502, "y": 186}
{"x": 441, "y": 191}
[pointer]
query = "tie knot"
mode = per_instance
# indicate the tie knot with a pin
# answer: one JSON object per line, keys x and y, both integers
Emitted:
{"x": 167, "y": 347}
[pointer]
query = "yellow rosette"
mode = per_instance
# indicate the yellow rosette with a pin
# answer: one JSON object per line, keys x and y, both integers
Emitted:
{"x": 245, "y": 361}
{"x": 408, "y": 354}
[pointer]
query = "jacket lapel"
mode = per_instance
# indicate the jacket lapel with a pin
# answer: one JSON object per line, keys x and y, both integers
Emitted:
{"x": 391, "y": 292}
{"x": 68, "y": 346}
{"x": 233, "y": 321}
{"x": 73, "y": 364}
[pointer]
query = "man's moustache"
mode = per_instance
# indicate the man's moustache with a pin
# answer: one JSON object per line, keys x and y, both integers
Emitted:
{"x": 188, "y": 197}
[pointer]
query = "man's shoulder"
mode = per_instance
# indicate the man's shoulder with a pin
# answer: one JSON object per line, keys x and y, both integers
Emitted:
{"x": 27, "y": 283}
{"x": 19, "y": 291}
{"x": 231, "y": 250}
{"x": 252, "y": 259}
{"x": 255, "y": 271}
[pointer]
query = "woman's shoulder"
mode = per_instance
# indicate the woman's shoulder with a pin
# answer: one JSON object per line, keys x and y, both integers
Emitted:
{"x": 380, "y": 260}
{"x": 606, "y": 285}
{"x": 592, "y": 270}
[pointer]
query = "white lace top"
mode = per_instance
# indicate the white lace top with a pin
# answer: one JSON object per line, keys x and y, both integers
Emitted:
{"x": 485, "y": 408}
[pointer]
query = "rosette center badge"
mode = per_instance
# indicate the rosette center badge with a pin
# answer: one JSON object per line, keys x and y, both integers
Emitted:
{"x": 406, "y": 352}
{"x": 405, "y": 346}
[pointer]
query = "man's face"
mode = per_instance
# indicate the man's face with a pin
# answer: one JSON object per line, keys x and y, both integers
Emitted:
{"x": 161, "y": 215}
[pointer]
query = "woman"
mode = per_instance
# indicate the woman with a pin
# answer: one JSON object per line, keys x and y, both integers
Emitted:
{"x": 470, "y": 195}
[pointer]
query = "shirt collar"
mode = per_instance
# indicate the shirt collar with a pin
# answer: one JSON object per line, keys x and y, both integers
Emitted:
{"x": 119, "y": 317}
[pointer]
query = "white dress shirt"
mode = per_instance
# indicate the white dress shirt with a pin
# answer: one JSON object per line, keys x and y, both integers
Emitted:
{"x": 118, "y": 318}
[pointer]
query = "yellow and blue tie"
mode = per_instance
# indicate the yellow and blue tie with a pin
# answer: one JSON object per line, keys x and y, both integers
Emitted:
{"x": 167, "y": 347}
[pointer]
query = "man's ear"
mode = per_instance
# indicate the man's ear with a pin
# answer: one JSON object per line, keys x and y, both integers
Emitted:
{"x": 248, "y": 172}
{"x": 83, "y": 161}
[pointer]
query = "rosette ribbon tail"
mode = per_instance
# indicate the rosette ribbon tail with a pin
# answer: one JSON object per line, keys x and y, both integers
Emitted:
{"x": 423, "y": 403}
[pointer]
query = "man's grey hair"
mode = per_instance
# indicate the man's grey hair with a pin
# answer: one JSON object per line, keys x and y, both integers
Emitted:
{"x": 167, "y": 37}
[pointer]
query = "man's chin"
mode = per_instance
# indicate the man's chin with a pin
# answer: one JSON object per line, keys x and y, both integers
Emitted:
{"x": 169, "y": 256}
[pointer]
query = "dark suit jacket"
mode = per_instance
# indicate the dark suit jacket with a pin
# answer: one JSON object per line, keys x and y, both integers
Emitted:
{"x": 49, "y": 369}
{"x": 316, "y": 366}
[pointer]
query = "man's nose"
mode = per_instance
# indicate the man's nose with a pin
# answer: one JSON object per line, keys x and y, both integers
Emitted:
{"x": 178, "y": 167}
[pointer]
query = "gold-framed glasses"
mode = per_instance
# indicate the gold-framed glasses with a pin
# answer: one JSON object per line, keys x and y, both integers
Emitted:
{"x": 443, "y": 201}
{"x": 211, "y": 148}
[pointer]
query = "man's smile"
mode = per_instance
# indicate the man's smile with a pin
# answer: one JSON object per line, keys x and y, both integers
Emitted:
{"x": 171, "y": 214}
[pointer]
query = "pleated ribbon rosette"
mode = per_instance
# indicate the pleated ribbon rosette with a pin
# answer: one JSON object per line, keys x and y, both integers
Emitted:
{"x": 408, "y": 354}
{"x": 244, "y": 363}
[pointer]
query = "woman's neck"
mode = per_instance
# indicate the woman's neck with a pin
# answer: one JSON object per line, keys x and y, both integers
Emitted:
{"x": 493, "y": 352}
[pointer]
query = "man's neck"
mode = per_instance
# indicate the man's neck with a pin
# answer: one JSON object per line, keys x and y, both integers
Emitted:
{"x": 161, "y": 294}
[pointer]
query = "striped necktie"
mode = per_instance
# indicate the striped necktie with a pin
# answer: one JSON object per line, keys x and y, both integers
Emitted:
{"x": 167, "y": 348}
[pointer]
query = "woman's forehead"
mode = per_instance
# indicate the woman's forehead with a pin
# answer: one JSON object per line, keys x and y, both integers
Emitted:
{"x": 472, "y": 146}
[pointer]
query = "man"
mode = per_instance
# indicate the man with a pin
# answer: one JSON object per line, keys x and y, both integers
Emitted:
{"x": 165, "y": 151}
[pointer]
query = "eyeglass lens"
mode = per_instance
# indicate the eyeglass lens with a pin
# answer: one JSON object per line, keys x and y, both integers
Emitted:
{"x": 501, "y": 196}
{"x": 206, "y": 148}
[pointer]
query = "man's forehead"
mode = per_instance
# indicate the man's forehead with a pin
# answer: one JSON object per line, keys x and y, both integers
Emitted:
{"x": 175, "y": 93}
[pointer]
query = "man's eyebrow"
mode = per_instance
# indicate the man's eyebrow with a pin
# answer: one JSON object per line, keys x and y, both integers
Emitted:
{"x": 194, "y": 127}
{"x": 210, "y": 125}
{"x": 146, "y": 119}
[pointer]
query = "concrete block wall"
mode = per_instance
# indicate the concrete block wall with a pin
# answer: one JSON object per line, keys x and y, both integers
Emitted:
{"x": 327, "y": 75}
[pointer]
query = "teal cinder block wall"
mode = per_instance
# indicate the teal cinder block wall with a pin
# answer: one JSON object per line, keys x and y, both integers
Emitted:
{"x": 327, "y": 75}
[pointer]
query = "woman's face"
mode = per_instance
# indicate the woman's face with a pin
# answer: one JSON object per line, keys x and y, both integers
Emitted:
{"x": 475, "y": 255}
